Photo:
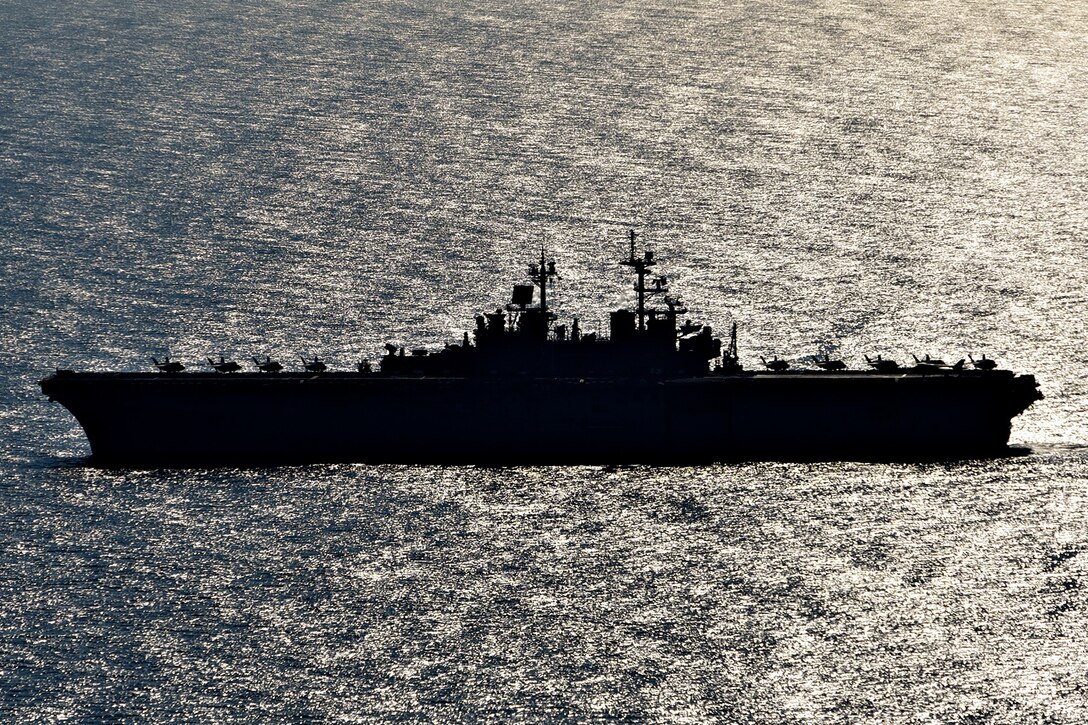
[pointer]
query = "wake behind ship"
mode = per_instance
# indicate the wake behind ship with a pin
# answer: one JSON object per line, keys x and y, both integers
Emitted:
{"x": 525, "y": 390}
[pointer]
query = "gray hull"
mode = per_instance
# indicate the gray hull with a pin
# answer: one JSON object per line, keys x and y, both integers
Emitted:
{"x": 207, "y": 419}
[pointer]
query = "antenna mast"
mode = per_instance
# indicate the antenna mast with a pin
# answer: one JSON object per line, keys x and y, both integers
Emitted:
{"x": 541, "y": 274}
{"x": 541, "y": 281}
{"x": 640, "y": 266}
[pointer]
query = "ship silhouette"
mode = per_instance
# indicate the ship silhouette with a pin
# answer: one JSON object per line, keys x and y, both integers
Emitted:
{"x": 658, "y": 389}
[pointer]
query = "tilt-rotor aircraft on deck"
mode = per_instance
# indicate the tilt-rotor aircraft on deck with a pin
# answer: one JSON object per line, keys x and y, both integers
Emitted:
{"x": 525, "y": 390}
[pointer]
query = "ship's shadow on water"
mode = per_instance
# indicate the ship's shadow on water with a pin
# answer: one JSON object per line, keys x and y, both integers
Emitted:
{"x": 288, "y": 467}
{"x": 63, "y": 463}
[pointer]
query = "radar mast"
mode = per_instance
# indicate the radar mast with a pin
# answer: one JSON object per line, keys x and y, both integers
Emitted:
{"x": 640, "y": 266}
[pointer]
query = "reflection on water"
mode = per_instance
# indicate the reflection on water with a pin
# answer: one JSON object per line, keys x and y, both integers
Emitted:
{"x": 285, "y": 177}
{"x": 755, "y": 593}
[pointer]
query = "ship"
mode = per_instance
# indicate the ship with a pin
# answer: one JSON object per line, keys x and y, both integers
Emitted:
{"x": 523, "y": 389}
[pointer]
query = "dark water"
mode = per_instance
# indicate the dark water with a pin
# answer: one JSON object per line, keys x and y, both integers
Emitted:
{"x": 287, "y": 177}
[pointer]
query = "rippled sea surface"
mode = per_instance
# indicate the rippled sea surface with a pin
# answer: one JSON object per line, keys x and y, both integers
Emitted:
{"x": 285, "y": 177}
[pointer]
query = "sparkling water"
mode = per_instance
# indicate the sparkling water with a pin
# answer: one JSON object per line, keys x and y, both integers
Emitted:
{"x": 286, "y": 178}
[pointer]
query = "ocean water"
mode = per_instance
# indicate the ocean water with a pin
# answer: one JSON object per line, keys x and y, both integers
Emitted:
{"x": 286, "y": 177}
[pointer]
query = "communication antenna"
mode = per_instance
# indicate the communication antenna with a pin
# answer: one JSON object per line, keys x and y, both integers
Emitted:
{"x": 540, "y": 275}
{"x": 640, "y": 266}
